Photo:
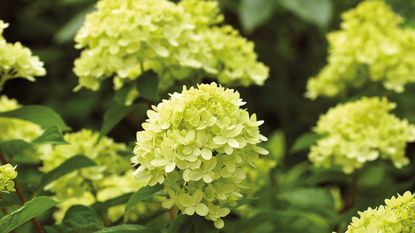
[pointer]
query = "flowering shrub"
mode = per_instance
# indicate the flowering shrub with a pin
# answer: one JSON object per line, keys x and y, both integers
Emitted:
{"x": 361, "y": 131}
{"x": 177, "y": 40}
{"x": 7, "y": 174}
{"x": 371, "y": 46}
{"x": 196, "y": 144}
{"x": 398, "y": 215}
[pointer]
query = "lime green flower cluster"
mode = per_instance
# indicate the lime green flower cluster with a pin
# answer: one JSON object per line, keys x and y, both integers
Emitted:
{"x": 361, "y": 131}
{"x": 14, "y": 128}
{"x": 125, "y": 38}
{"x": 108, "y": 179}
{"x": 7, "y": 174}
{"x": 16, "y": 61}
{"x": 398, "y": 215}
{"x": 371, "y": 46}
{"x": 198, "y": 144}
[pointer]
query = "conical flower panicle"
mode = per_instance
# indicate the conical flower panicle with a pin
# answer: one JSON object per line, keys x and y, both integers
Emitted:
{"x": 185, "y": 40}
{"x": 17, "y": 61}
{"x": 197, "y": 143}
{"x": 361, "y": 131}
{"x": 371, "y": 46}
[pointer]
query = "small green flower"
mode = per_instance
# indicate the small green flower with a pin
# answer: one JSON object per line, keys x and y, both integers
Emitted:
{"x": 398, "y": 215}
{"x": 16, "y": 61}
{"x": 178, "y": 41}
{"x": 371, "y": 46}
{"x": 198, "y": 144}
{"x": 361, "y": 131}
{"x": 7, "y": 174}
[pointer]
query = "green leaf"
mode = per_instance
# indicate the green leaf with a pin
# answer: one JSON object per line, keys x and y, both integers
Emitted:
{"x": 104, "y": 206}
{"x": 312, "y": 199}
{"x": 142, "y": 194}
{"x": 202, "y": 225}
{"x": 181, "y": 224}
{"x": 276, "y": 144}
{"x": 29, "y": 210}
{"x": 147, "y": 85}
{"x": 40, "y": 115}
{"x": 51, "y": 135}
{"x": 254, "y": 13}
{"x": 68, "y": 31}
{"x": 16, "y": 148}
{"x": 317, "y": 12}
{"x": 304, "y": 142}
{"x": 128, "y": 228}
{"x": 70, "y": 165}
{"x": 78, "y": 219}
{"x": 115, "y": 114}
{"x": 191, "y": 224}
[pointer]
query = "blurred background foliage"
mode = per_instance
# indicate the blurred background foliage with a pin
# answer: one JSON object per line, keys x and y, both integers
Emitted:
{"x": 290, "y": 38}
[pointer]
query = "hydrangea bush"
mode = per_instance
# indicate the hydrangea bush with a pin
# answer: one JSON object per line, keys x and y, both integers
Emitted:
{"x": 360, "y": 131}
{"x": 197, "y": 144}
{"x": 184, "y": 40}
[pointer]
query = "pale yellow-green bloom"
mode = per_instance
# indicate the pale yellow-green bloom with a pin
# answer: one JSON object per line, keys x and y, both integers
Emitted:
{"x": 361, "y": 131}
{"x": 185, "y": 40}
{"x": 7, "y": 174}
{"x": 371, "y": 46}
{"x": 110, "y": 178}
{"x": 398, "y": 215}
{"x": 16, "y": 61}
{"x": 198, "y": 144}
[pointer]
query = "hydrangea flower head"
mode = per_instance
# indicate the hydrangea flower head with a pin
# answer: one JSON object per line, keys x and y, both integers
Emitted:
{"x": 361, "y": 131}
{"x": 176, "y": 40}
{"x": 16, "y": 61}
{"x": 110, "y": 177}
{"x": 7, "y": 174}
{"x": 371, "y": 46}
{"x": 398, "y": 215}
{"x": 197, "y": 144}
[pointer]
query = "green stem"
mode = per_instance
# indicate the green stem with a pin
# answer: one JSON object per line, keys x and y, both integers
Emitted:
{"x": 350, "y": 194}
{"x": 172, "y": 214}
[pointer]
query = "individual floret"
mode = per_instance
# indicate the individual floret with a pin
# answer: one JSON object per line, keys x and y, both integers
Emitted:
{"x": 198, "y": 144}
{"x": 361, "y": 131}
